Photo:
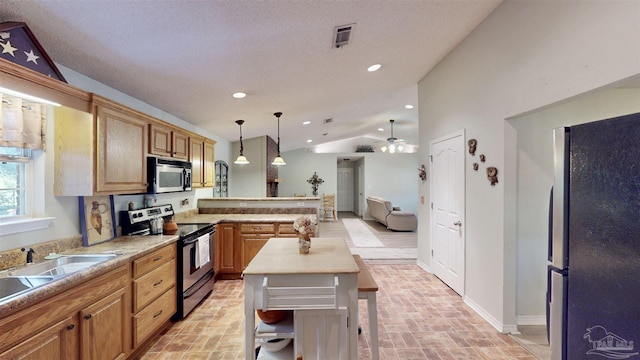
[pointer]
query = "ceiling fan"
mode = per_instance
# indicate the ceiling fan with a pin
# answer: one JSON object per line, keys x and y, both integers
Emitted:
{"x": 393, "y": 144}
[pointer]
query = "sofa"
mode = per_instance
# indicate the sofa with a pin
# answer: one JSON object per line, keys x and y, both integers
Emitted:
{"x": 391, "y": 216}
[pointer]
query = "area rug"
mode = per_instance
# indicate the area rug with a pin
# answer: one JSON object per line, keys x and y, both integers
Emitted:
{"x": 369, "y": 247}
{"x": 385, "y": 253}
{"x": 360, "y": 234}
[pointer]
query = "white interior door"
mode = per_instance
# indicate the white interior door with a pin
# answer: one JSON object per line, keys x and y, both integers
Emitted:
{"x": 345, "y": 189}
{"x": 447, "y": 210}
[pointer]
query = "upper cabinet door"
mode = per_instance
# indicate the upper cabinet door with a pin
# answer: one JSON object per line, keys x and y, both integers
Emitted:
{"x": 121, "y": 157}
{"x": 168, "y": 142}
{"x": 208, "y": 163}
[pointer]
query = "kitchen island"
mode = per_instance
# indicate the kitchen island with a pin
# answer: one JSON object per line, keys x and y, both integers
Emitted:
{"x": 320, "y": 288}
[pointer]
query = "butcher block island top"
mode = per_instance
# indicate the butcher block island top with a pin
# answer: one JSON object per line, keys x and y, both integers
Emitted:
{"x": 281, "y": 256}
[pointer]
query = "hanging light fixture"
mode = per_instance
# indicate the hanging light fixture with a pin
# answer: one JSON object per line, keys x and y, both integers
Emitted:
{"x": 278, "y": 161}
{"x": 241, "y": 160}
{"x": 392, "y": 145}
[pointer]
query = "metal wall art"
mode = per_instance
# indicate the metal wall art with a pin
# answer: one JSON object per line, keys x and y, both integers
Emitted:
{"x": 422, "y": 173}
{"x": 492, "y": 175}
{"x": 472, "y": 146}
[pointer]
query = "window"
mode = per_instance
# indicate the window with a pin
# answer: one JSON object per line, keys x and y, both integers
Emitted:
{"x": 13, "y": 181}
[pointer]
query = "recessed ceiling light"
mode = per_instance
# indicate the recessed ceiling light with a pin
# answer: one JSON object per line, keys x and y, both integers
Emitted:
{"x": 374, "y": 67}
{"x": 306, "y": 122}
{"x": 380, "y": 129}
{"x": 239, "y": 95}
{"x": 408, "y": 106}
{"x": 309, "y": 140}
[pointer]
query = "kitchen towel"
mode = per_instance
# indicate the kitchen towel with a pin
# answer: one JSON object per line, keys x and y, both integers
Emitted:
{"x": 202, "y": 251}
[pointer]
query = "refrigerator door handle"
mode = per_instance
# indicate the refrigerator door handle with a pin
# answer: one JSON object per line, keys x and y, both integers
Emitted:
{"x": 560, "y": 200}
{"x": 557, "y": 314}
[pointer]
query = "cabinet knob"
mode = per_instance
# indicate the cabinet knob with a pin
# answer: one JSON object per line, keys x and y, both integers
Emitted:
{"x": 157, "y": 314}
{"x": 88, "y": 316}
{"x": 70, "y": 326}
{"x": 158, "y": 258}
{"x": 157, "y": 283}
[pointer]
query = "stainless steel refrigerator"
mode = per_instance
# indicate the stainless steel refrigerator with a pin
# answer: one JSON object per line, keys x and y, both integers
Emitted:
{"x": 593, "y": 295}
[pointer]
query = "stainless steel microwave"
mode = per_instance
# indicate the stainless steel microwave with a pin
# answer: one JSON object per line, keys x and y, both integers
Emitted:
{"x": 166, "y": 175}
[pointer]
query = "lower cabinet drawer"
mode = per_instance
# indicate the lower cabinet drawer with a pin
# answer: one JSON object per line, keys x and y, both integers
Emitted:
{"x": 286, "y": 228}
{"x": 147, "y": 321}
{"x": 258, "y": 228}
{"x": 149, "y": 286}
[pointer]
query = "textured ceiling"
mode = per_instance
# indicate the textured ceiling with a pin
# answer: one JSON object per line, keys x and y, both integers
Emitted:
{"x": 188, "y": 57}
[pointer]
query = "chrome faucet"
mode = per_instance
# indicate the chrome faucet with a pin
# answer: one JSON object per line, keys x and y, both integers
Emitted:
{"x": 29, "y": 255}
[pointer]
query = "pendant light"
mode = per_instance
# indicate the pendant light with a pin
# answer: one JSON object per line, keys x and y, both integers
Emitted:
{"x": 241, "y": 160}
{"x": 278, "y": 161}
{"x": 391, "y": 144}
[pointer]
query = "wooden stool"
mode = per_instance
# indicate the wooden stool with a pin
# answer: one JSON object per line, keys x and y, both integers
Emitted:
{"x": 367, "y": 289}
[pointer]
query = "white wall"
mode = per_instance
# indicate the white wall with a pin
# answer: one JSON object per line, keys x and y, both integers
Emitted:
{"x": 535, "y": 178}
{"x": 300, "y": 166}
{"x": 391, "y": 176}
{"x": 65, "y": 208}
{"x": 525, "y": 55}
{"x": 249, "y": 180}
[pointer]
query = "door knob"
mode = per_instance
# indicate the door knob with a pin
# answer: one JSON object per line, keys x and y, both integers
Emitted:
{"x": 457, "y": 223}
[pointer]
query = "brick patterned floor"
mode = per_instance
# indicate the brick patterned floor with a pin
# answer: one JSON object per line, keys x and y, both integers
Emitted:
{"x": 419, "y": 318}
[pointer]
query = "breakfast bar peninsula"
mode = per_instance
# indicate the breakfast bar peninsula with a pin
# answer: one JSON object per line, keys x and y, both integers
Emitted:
{"x": 319, "y": 289}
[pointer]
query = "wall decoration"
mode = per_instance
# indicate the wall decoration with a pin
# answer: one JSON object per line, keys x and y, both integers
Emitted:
{"x": 315, "y": 181}
{"x": 97, "y": 219}
{"x": 482, "y": 158}
{"x": 21, "y": 47}
{"x": 492, "y": 175}
{"x": 422, "y": 173}
{"x": 475, "y": 166}
{"x": 472, "y": 146}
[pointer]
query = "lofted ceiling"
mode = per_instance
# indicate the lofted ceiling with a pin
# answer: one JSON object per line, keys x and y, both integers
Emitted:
{"x": 188, "y": 57}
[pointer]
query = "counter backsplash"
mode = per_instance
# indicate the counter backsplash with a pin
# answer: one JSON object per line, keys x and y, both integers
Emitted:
{"x": 236, "y": 210}
{"x": 16, "y": 257}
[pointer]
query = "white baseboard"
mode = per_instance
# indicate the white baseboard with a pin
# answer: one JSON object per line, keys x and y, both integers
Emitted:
{"x": 531, "y": 320}
{"x": 424, "y": 266}
{"x": 503, "y": 328}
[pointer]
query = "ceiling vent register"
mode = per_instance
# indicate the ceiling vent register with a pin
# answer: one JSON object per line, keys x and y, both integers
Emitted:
{"x": 342, "y": 35}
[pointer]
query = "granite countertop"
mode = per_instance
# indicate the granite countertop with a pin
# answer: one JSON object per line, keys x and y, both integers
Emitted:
{"x": 281, "y": 198}
{"x": 281, "y": 256}
{"x": 245, "y": 218}
{"x": 126, "y": 247}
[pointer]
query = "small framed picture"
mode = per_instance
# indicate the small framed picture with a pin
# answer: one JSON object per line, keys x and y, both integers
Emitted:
{"x": 97, "y": 219}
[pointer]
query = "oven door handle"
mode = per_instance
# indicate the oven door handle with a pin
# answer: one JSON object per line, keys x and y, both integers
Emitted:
{"x": 189, "y": 242}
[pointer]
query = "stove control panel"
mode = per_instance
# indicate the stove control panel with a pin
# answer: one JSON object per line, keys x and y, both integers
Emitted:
{"x": 146, "y": 214}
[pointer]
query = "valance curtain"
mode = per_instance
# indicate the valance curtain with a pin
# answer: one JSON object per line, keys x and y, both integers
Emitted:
{"x": 22, "y": 123}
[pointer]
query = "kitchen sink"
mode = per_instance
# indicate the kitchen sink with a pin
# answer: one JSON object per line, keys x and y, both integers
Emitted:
{"x": 14, "y": 285}
{"x": 63, "y": 265}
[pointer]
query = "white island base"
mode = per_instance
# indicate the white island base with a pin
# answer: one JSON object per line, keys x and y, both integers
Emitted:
{"x": 320, "y": 288}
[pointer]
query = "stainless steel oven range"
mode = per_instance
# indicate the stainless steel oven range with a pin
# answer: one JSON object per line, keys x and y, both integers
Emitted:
{"x": 195, "y": 254}
{"x": 195, "y": 266}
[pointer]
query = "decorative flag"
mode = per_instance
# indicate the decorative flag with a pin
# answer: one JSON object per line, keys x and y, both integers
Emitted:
{"x": 20, "y": 46}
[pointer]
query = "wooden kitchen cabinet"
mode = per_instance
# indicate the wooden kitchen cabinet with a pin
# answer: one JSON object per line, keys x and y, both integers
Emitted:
{"x": 99, "y": 153}
{"x": 154, "y": 292}
{"x": 228, "y": 251}
{"x": 101, "y": 324}
{"x": 57, "y": 342}
{"x": 202, "y": 155}
{"x": 121, "y": 158}
{"x": 168, "y": 142}
{"x": 58, "y": 327}
{"x": 237, "y": 244}
{"x": 254, "y": 236}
